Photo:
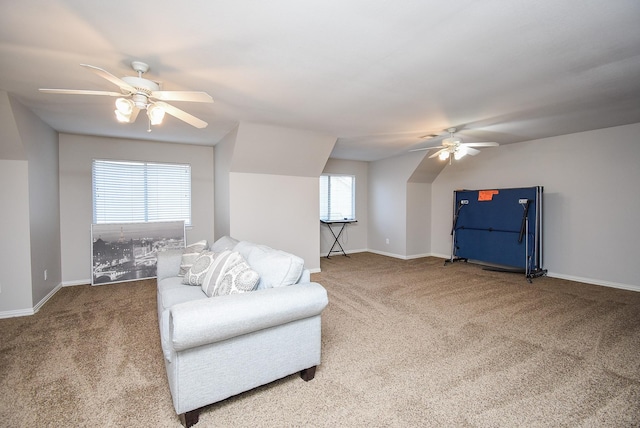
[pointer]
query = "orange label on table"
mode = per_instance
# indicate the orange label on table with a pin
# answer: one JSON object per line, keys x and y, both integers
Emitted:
{"x": 486, "y": 195}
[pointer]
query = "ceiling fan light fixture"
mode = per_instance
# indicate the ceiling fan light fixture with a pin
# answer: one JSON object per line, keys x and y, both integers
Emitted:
{"x": 125, "y": 118}
{"x": 124, "y": 106}
{"x": 156, "y": 114}
{"x": 460, "y": 152}
{"x": 443, "y": 155}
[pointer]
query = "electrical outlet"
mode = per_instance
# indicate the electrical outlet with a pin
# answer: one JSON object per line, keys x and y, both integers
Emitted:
{"x": 45, "y": 274}
{"x": 387, "y": 240}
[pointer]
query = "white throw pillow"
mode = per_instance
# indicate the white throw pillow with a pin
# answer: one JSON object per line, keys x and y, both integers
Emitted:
{"x": 223, "y": 244}
{"x": 276, "y": 268}
{"x": 229, "y": 274}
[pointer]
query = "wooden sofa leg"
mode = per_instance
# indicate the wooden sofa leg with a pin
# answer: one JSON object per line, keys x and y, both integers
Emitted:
{"x": 308, "y": 374}
{"x": 190, "y": 418}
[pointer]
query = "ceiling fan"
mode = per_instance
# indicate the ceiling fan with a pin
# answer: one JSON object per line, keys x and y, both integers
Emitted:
{"x": 138, "y": 93}
{"x": 453, "y": 146}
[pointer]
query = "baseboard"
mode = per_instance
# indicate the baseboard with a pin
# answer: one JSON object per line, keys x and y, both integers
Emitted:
{"x": 441, "y": 256}
{"x": 78, "y": 282}
{"x": 409, "y": 257}
{"x": 384, "y": 253}
{"x": 418, "y": 256}
{"x": 339, "y": 253}
{"x": 30, "y": 311}
{"x": 16, "y": 313}
{"x": 591, "y": 281}
{"x": 44, "y": 300}
{"x": 395, "y": 256}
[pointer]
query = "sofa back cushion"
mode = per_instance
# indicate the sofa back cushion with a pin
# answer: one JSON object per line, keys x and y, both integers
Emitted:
{"x": 276, "y": 268}
{"x": 223, "y": 244}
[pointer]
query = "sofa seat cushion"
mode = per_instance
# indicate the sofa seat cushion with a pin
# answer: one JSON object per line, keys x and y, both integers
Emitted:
{"x": 169, "y": 283}
{"x": 186, "y": 293}
{"x": 275, "y": 267}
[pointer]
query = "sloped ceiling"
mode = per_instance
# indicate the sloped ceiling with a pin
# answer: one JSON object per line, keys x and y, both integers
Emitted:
{"x": 375, "y": 74}
{"x": 11, "y": 147}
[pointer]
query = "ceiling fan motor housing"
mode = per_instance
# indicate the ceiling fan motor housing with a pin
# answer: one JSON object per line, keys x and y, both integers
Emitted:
{"x": 142, "y": 85}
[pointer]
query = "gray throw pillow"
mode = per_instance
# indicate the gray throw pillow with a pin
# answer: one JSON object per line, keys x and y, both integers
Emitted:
{"x": 196, "y": 273}
{"x": 229, "y": 274}
{"x": 190, "y": 254}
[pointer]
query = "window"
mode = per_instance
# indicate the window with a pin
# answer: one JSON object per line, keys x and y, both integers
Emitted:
{"x": 337, "y": 197}
{"x": 128, "y": 192}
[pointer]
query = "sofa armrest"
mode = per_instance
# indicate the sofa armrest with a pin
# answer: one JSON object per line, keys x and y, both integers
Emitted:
{"x": 168, "y": 263}
{"x": 211, "y": 320}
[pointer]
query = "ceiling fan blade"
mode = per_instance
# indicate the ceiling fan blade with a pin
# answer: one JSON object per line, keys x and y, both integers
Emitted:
{"x": 134, "y": 114}
{"x": 111, "y": 78}
{"x": 79, "y": 92}
{"x": 426, "y": 148}
{"x": 191, "y": 96}
{"x": 438, "y": 153}
{"x": 487, "y": 144}
{"x": 182, "y": 115}
{"x": 431, "y": 136}
{"x": 472, "y": 152}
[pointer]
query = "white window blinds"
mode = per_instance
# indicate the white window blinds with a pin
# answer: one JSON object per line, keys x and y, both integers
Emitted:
{"x": 125, "y": 192}
{"x": 337, "y": 197}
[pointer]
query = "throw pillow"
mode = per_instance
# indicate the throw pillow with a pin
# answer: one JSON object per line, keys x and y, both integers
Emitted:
{"x": 198, "y": 270}
{"x": 275, "y": 267}
{"x": 215, "y": 271}
{"x": 230, "y": 274}
{"x": 190, "y": 254}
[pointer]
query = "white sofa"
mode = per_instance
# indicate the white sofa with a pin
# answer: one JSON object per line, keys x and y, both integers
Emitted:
{"x": 217, "y": 347}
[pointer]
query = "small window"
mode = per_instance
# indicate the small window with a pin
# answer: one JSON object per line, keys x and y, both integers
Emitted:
{"x": 337, "y": 197}
{"x": 129, "y": 192}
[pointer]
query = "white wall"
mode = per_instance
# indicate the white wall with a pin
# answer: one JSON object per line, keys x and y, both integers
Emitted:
{"x": 278, "y": 211}
{"x": 223, "y": 157}
{"x": 274, "y": 188}
{"x": 30, "y": 222}
{"x": 354, "y": 236}
{"x": 418, "y": 220}
{"x": 41, "y": 146}
{"x": 15, "y": 253}
{"x": 15, "y": 257}
{"x": 591, "y": 182}
{"x": 76, "y": 155}
{"x": 267, "y": 149}
{"x": 388, "y": 204}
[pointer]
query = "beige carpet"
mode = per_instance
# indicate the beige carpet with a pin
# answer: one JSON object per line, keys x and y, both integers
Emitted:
{"x": 405, "y": 344}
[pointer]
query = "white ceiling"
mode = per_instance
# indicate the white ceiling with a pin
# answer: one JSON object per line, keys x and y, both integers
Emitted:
{"x": 376, "y": 74}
